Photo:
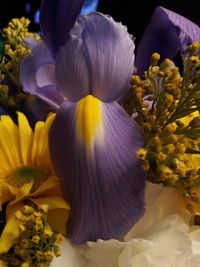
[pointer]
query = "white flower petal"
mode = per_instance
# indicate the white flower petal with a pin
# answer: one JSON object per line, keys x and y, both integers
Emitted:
{"x": 70, "y": 256}
{"x": 160, "y": 202}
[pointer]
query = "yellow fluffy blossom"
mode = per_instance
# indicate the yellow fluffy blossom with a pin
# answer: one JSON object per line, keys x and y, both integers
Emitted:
{"x": 166, "y": 106}
{"x": 26, "y": 174}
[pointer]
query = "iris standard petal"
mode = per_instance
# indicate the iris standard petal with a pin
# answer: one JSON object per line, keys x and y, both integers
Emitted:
{"x": 71, "y": 70}
{"x": 37, "y": 76}
{"x": 94, "y": 154}
{"x": 109, "y": 54}
{"x": 167, "y": 33}
{"x": 57, "y": 17}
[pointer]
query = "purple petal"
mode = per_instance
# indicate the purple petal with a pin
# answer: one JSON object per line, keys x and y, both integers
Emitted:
{"x": 104, "y": 187}
{"x": 71, "y": 70}
{"x": 167, "y": 33}
{"x": 109, "y": 53}
{"x": 37, "y": 75}
{"x": 99, "y": 58}
{"x": 57, "y": 17}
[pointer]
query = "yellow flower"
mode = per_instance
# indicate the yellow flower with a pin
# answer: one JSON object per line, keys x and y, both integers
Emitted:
{"x": 26, "y": 173}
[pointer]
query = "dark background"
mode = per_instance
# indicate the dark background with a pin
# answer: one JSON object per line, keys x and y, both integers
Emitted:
{"x": 136, "y": 17}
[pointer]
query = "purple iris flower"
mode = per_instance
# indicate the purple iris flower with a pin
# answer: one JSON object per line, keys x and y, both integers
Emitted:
{"x": 81, "y": 69}
{"x": 85, "y": 64}
{"x": 167, "y": 33}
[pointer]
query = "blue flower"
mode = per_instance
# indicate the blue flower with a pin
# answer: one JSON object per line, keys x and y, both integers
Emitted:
{"x": 82, "y": 68}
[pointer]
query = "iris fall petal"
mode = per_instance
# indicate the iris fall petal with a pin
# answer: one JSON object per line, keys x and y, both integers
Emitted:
{"x": 167, "y": 33}
{"x": 101, "y": 176}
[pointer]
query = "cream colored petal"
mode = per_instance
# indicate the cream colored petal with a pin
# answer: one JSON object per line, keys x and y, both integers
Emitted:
{"x": 70, "y": 257}
{"x": 26, "y": 138}
{"x": 163, "y": 200}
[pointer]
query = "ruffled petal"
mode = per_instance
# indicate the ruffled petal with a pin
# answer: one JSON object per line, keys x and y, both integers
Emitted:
{"x": 71, "y": 70}
{"x": 37, "y": 75}
{"x": 57, "y": 17}
{"x": 109, "y": 53}
{"x": 163, "y": 200}
{"x": 84, "y": 66}
{"x": 167, "y": 33}
{"x": 95, "y": 157}
{"x": 70, "y": 256}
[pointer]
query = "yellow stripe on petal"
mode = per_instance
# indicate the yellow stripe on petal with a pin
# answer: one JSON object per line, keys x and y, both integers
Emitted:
{"x": 89, "y": 121}
{"x": 26, "y": 138}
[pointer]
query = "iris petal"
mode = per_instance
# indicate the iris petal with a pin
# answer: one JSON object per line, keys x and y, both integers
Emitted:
{"x": 167, "y": 33}
{"x": 37, "y": 76}
{"x": 109, "y": 53}
{"x": 98, "y": 59}
{"x": 57, "y": 17}
{"x": 71, "y": 70}
{"x": 105, "y": 185}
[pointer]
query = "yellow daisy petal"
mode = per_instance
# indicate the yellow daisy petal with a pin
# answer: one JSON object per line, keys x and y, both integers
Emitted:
{"x": 38, "y": 128}
{"x": 43, "y": 156}
{"x": 26, "y": 138}
{"x": 8, "y": 147}
{"x": 5, "y": 165}
{"x": 51, "y": 183}
{"x": 5, "y": 193}
{"x": 58, "y": 211}
{"x": 10, "y": 231}
{"x": 13, "y": 133}
{"x": 22, "y": 192}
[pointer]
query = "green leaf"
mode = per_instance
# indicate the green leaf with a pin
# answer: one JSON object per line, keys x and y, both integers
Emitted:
{"x": 1, "y": 47}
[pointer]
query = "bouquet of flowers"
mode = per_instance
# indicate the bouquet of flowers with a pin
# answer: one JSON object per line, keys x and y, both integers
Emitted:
{"x": 99, "y": 148}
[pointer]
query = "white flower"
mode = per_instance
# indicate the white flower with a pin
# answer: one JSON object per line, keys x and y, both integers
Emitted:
{"x": 160, "y": 239}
